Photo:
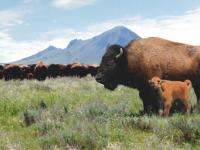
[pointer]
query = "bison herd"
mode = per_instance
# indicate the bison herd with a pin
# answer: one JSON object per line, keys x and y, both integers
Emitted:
{"x": 41, "y": 71}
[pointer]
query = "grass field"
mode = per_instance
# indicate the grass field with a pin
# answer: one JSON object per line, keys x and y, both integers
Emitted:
{"x": 72, "y": 113}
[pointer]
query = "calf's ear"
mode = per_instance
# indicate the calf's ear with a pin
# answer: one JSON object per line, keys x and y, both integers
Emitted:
{"x": 188, "y": 83}
{"x": 159, "y": 81}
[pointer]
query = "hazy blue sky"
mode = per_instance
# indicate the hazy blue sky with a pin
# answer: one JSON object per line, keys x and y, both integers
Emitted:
{"x": 28, "y": 26}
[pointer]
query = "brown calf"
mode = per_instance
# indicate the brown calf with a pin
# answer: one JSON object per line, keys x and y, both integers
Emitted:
{"x": 169, "y": 91}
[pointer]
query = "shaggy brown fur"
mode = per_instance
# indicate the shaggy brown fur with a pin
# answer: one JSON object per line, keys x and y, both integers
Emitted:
{"x": 41, "y": 71}
{"x": 169, "y": 91}
{"x": 56, "y": 70}
{"x": 92, "y": 69}
{"x": 79, "y": 70}
{"x": 12, "y": 71}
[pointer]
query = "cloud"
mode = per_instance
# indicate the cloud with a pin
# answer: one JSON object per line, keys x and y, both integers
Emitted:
{"x": 11, "y": 49}
{"x": 61, "y": 37}
{"x": 10, "y": 18}
{"x": 184, "y": 28}
{"x": 71, "y": 4}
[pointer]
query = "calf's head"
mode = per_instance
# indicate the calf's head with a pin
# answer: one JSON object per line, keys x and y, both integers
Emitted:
{"x": 155, "y": 83}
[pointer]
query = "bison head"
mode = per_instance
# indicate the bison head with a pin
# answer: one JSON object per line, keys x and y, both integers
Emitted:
{"x": 111, "y": 68}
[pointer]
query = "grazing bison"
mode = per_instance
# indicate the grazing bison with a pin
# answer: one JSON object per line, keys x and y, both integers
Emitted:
{"x": 56, "y": 70}
{"x": 92, "y": 69}
{"x": 41, "y": 71}
{"x": 78, "y": 70}
{"x": 26, "y": 69}
{"x": 12, "y": 71}
{"x": 32, "y": 67}
{"x": 142, "y": 59}
{"x": 1, "y": 67}
{"x": 169, "y": 91}
{"x": 1, "y": 71}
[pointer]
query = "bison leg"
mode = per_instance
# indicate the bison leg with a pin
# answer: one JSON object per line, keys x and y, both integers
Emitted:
{"x": 150, "y": 101}
{"x": 167, "y": 107}
{"x": 187, "y": 107}
{"x": 197, "y": 92}
{"x": 160, "y": 106}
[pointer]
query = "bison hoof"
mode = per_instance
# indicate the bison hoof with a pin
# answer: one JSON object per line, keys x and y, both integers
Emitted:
{"x": 160, "y": 112}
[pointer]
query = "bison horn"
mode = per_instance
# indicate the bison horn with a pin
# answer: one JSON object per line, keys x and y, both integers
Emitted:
{"x": 120, "y": 53}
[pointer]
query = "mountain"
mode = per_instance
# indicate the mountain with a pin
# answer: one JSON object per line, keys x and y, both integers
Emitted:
{"x": 49, "y": 55}
{"x": 87, "y": 51}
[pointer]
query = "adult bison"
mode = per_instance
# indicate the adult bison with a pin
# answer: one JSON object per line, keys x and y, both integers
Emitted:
{"x": 25, "y": 70}
{"x": 142, "y": 59}
{"x": 92, "y": 69}
{"x": 41, "y": 71}
{"x": 79, "y": 70}
{"x": 12, "y": 71}
{"x": 56, "y": 70}
{"x": 1, "y": 71}
{"x": 76, "y": 69}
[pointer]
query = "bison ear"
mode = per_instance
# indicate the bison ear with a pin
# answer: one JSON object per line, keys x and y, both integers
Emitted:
{"x": 120, "y": 53}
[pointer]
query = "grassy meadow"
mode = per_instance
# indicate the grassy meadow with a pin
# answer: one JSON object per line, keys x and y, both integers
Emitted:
{"x": 71, "y": 113}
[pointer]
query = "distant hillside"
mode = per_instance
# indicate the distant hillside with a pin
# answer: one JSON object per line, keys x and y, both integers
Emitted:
{"x": 49, "y": 55}
{"x": 86, "y": 51}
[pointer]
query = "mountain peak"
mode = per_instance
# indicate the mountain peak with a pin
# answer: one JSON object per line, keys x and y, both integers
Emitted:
{"x": 120, "y": 28}
{"x": 120, "y": 32}
{"x": 73, "y": 42}
{"x": 51, "y": 47}
{"x": 85, "y": 51}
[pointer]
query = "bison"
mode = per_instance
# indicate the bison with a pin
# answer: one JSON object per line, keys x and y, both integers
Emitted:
{"x": 92, "y": 70}
{"x": 169, "y": 91}
{"x": 142, "y": 59}
{"x": 26, "y": 69}
{"x": 12, "y": 71}
{"x": 41, "y": 71}
{"x": 76, "y": 69}
{"x": 1, "y": 71}
{"x": 1, "y": 67}
{"x": 32, "y": 67}
{"x": 56, "y": 70}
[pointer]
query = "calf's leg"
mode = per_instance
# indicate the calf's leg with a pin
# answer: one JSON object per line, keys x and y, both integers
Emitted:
{"x": 167, "y": 107}
{"x": 187, "y": 107}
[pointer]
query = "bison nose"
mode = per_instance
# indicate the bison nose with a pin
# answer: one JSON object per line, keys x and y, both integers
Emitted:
{"x": 99, "y": 79}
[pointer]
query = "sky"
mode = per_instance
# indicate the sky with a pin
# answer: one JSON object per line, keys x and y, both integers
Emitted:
{"x": 29, "y": 26}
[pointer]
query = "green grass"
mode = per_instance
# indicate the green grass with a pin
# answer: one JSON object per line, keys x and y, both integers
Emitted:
{"x": 72, "y": 113}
